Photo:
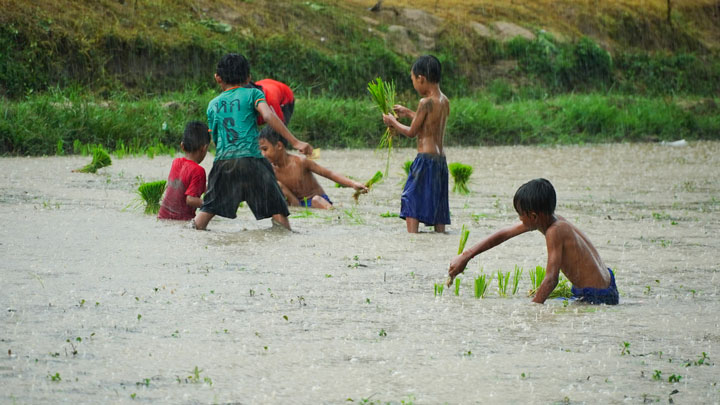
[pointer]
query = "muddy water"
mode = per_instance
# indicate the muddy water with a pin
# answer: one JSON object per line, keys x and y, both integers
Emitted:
{"x": 103, "y": 304}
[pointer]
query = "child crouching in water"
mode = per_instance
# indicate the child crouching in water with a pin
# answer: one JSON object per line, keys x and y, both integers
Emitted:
{"x": 295, "y": 173}
{"x": 186, "y": 182}
{"x": 569, "y": 250}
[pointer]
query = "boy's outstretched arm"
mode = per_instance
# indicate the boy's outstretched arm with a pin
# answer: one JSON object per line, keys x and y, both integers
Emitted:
{"x": 336, "y": 177}
{"x": 458, "y": 264}
{"x": 192, "y": 201}
{"x": 552, "y": 270}
{"x": 275, "y": 123}
{"x": 411, "y": 131}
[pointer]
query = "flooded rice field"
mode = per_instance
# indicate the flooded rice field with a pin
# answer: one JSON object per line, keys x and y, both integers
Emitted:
{"x": 104, "y": 304}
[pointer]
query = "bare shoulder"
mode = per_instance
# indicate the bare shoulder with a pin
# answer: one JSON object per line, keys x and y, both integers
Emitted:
{"x": 560, "y": 229}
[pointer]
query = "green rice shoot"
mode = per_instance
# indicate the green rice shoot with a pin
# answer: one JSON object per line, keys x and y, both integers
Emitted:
{"x": 383, "y": 95}
{"x": 517, "y": 273}
{"x": 100, "y": 159}
{"x": 464, "y": 233}
{"x": 375, "y": 179}
{"x": 439, "y": 288}
{"x": 563, "y": 288}
{"x": 461, "y": 174}
{"x": 503, "y": 279}
{"x": 536, "y": 278}
{"x": 457, "y": 286}
{"x": 151, "y": 193}
{"x": 481, "y": 285}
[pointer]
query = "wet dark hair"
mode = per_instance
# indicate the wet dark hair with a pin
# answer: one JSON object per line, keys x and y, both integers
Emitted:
{"x": 253, "y": 85}
{"x": 537, "y": 196}
{"x": 233, "y": 68}
{"x": 196, "y": 136}
{"x": 272, "y": 136}
{"x": 428, "y": 66}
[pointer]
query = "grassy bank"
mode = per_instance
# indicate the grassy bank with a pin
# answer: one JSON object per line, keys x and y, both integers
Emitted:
{"x": 130, "y": 125}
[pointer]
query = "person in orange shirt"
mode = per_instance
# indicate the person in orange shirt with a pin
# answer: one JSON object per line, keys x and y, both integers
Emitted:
{"x": 279, "y": 96}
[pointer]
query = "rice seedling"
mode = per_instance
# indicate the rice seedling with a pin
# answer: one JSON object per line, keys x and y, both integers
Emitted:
{"x": 376, "y": 178}
{"x": 464, "y": 233}
{"x": 481, "y": 285}
{"x": 151, "y": 193}
{"x": 439, "y": 288}
{"x": 461, "y": 174}
{"x": 457, "y": 286}
{"x": 503, "y": 279}
{"x": 383, "y": 95}
{"x": 100, "y": 159}
{"x": 536, "y": 278}
{"x": 517, "y": 273}
{"x": 562, "y": 290}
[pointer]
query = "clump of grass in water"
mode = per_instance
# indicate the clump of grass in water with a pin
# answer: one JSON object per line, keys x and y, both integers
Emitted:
{"x": 100, "y": 159}
{"x": 376, "y": 178}
{"x": 503, "y": 279}
{"x": 439, "y": 288}
{"x": 481, "y": 285}
{"x": 457, "y": 286}
{"x": 151, "y": 193}
{"x": 563, "y": 288}
{"x": 461, "y": 174}
{"x": 383, "y": 94}
{"x": 516, "y": 278}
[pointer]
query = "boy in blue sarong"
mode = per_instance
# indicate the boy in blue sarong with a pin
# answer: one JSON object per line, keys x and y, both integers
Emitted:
{"x": 569, "y": 250}
{"x": 425, "y": 196}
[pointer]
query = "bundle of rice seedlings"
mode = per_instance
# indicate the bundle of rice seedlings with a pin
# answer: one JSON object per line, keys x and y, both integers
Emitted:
{"x": 151, "y": 193}
{"x": 503, "y": 279}
{"x": 376, "y": 178}
{"x": 481, "y": 285}
{"x": 100, "y": 159}
{"x": 516, "y": 278}
{"x": 461, "y": 174}
{"x": 383, "y": 94}
{"x": 562, "y": 290}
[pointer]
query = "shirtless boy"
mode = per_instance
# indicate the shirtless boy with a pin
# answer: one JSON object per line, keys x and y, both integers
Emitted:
{"x": 425, "y": 196}
{"x": 569, "y": 250}
{"x": 295, "y": 173}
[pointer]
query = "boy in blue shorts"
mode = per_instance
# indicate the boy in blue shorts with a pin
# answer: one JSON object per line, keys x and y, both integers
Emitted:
{"x": 240, "y": 172}
{"x": 569, "y": 250}
{"x": 425, "y": 196}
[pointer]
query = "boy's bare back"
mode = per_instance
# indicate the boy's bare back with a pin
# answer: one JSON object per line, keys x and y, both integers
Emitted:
{"x": 432, "y": 113}
{"x": 575, "y": 255}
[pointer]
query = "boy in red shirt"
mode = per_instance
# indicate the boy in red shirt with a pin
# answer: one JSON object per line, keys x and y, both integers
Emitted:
{"x": 186, "y": 182}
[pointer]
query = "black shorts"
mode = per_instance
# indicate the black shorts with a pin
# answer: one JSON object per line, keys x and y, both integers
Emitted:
{"x": 287, "y": 110}
{"x": 247, "y": 179}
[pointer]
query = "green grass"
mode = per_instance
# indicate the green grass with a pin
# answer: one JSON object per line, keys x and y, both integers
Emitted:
{"x": 482, "y": 282}
{"x": 128, "y": 125}
{"x": 503, "y": 278}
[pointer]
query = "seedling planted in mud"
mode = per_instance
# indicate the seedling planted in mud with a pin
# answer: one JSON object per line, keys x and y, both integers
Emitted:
{"x": 517, "y": 273}
{"x": 460, "y": 174}
{"x": 625, "y": 349}
{"x": 481, "y": 285}
{"x": 100, "y": 159}
{"x": 55, "y": 377}
{"x": 457, "y": 286}
{"x": 151, "y": 193}
{"x": 503, "y": 279}
{"x": 439, "y": 289}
